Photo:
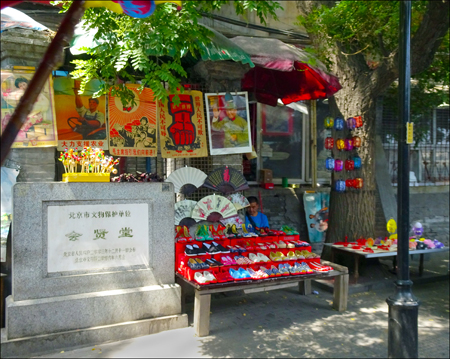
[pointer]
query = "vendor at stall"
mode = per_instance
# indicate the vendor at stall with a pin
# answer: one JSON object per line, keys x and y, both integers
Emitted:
{"x": 253, "y": 216}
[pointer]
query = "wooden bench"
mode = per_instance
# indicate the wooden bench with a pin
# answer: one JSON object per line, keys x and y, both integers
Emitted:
{"x": 202, "y": 303}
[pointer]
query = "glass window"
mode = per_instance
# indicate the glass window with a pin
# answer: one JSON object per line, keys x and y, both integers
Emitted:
{"x": 281, "y": 148}
{"x": 323, "y": 111}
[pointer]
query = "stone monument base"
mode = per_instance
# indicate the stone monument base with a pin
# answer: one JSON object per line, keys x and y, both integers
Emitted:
{"x": 42, "y": 344}
{"x": 32, "y": 317}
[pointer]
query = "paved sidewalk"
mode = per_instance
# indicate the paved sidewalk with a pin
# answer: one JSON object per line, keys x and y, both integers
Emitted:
{"x": 282, "y": 323}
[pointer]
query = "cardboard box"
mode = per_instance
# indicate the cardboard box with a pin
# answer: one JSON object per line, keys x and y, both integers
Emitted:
{"x": 265, "y": 176}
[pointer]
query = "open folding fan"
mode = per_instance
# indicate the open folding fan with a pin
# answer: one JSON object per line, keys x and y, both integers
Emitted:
{"x": 238, "y": 200}
{"x": 213, "y": 208}
{"x": 186, "y": 180}
{"x": 232, "y": 220}
{"x": 226, "y": 180}
{"x": 183, "y": 209}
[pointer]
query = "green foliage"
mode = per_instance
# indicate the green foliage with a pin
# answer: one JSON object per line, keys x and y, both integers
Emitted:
{"x": 371, "y": 28}
{"x": 150, "y": 50}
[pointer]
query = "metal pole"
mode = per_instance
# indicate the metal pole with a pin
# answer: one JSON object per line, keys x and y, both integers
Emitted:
{"x": 313, "y": 122}
{"x": 48, "y": 63}
{"x": 403, "y": 306}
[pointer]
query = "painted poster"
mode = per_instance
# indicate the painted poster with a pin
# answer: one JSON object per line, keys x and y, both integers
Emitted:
{"x": 132, "y": 129}
{"x": 182, "y": 127}
{"x": 39, "y": 129}
{"x": 316, "y": 209}
{"x": 228, "y": 123}
{"x": 80, "y": 119}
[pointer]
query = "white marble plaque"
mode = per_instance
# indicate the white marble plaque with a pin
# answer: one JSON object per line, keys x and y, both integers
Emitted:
{"x": 88, "y": 237}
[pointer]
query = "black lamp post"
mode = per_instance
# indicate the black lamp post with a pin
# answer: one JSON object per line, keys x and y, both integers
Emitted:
{"x": 403, "y": 306}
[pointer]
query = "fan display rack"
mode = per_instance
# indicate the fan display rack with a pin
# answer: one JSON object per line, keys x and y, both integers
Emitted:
{"x": 248, "y": 245}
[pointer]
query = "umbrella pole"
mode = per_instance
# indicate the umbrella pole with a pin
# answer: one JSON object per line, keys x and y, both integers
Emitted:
{"x": 48, "y": 63}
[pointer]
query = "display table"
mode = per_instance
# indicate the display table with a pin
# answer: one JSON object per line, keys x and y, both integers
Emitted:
{"x": 358, "y": 254}
{"x": 203, "y": 293}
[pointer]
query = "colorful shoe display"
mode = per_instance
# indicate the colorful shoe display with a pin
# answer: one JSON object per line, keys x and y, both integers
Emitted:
{"x": 202, "y": 234}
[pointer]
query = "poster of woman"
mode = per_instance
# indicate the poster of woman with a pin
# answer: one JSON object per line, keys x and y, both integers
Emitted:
{"x": 228, "y": 123}
{"x": 39, "y": 129}
{"x": 80, "y": 118}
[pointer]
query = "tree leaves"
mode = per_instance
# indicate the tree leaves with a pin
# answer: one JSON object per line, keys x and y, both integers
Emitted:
{"x": 150, "y": 49}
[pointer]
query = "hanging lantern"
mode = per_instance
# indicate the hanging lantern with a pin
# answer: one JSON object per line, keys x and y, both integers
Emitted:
{"x": 329, "y": 163}
{"x": 349, "y": 183}
{"x": 357, "y": 162}
{"x": 349, "y": 165}
{"x": 348, "y": 144}
{"x": 338, "y": 165}
{"x": 351, "y": 123}
{"x": 329, "y": 143}
{"x": 359, "y": 121}
{"x": 358, "y": 183}
{"x": 339, "y": 123}
{"x": 356, "y": 141}
{"x": 329, "y": 122}
{"x": 340, "y": 144}
{"x": 340, "y": 186}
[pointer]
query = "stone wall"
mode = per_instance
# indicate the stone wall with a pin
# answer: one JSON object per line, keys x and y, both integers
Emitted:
{"x": 432, "y": 210}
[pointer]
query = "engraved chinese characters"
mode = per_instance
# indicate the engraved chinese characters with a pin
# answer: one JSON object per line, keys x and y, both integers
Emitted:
{"x": 97, "y": 236}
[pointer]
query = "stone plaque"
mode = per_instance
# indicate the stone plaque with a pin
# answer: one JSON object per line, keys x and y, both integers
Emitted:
{"x": 89, "y": 237}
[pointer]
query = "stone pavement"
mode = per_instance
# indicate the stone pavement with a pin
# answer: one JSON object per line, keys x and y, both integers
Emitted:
{"x": 282, "y": 323}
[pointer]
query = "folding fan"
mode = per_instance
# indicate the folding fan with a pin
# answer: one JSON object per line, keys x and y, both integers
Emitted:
{"x": 226, "y": 180}
{"x": 238, "y": 200}
{"x": 213, "y": 204}
{"x": 183, "y": 209}
{"x": 186, "y": 180}
{"x": 232, "y": 220}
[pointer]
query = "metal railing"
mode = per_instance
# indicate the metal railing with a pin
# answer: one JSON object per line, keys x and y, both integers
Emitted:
{"x": 429, "y": 157}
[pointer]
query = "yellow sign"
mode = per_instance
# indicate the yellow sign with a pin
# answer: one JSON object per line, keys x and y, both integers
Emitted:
{"x": 409, "y": 133}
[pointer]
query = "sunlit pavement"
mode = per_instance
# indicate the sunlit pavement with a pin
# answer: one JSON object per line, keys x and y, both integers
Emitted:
{"x": 283, "y": 323}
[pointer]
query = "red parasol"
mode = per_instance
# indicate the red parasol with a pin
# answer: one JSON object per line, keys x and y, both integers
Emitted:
{"x": 284, "y": 72}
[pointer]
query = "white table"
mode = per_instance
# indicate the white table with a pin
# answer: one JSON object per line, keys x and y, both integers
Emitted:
{"x": 357, "y": 255}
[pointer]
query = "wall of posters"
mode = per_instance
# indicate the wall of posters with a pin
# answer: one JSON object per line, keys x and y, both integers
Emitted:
{"x": 182, "y": 127}
{"x": 228, "y": 123}
{"x": 40, "y": 128}
{"x": 132, "y": 129}
{"x": 80, "y": 119}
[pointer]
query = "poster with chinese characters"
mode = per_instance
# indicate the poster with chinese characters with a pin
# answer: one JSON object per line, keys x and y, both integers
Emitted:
{"x": 39, "y": 129}
{"x": 182, "y": 127}
{"x": 89, "y": 237}
{"x": 132, "y": 128}
{"x": 80, "y": 119}
{"x": 228, "y": 123}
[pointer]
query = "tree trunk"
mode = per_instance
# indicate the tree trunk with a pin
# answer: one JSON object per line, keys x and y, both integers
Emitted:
{"x": 352, "y": 213}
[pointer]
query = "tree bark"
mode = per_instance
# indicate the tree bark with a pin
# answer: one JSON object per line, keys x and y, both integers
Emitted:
{"x": 352, "y": 213}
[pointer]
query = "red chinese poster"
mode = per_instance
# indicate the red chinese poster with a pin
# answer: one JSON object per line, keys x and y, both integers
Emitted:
{"x": 132, "y": 129}
{"x": 182, "y": 127}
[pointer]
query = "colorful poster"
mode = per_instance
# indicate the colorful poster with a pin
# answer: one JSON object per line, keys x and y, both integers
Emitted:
{"x": 81, "y": 119}
{"x": 228, "y": 123}
{"x": 316, "y": 209}
{"x": 132, "y": 129}
{"x": 39, "y": 129}
{"x": 182, "y": 127}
